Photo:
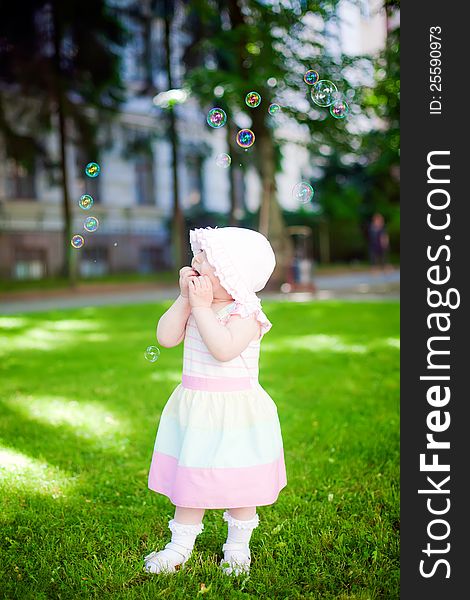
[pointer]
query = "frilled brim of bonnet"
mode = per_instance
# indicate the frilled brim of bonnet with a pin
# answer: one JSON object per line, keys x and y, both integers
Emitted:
{"x": 243, "y": 260}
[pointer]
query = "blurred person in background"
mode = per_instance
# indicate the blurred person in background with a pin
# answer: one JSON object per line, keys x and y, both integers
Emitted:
{"x": 379, "y": 243}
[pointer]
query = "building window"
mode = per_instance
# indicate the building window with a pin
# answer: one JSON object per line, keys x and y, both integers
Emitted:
{"x": 134, "y": 55}
{"x": 86, "y": 185}
{"x": 92, "y": 187}
{"x": 240, "y": 191}
{"x": 94, "y": 261}
{"x": 364, "y": 6}
{"x": 194, "y": 178}
{"x": 144, "y": 180}
{"x": 30, "y": 263}
{"x": 152, "y": 259}
{"x": 20, "y": 183}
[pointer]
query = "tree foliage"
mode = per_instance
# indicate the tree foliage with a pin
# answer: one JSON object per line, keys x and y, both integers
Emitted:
{"x": 356, "y": 167}
{"x": 368, "y": 180}
{"x": 86, "y": 71}
{"x": 59, "y": 71}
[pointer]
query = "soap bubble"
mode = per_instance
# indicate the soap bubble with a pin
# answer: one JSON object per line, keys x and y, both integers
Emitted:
{"x": 77, "y": 241}
{"x": 303, "y": 192}
{"x": 253, "y": 99}
{"x": 92, "y": 169}
{"x": 322, "y": 92}
{"x": 316, "y": 208}
{"x": 286, "y": 288}
{"x": 273, "y": 108}
{"x": 91, "y": 224}
{"x": 86, "y": 202}
{"x": 152, "y": 353}
{"x": 115, "y": 244}
{"x": 339, "y": 109}
{"x": 245, "y": 138}
{"x": 272, "y": 82}
{"x": 216, "y": 117}
{"x": 311, "y": 77}
{"x": 337, "y": 95}
{"x": 223, "y": 160}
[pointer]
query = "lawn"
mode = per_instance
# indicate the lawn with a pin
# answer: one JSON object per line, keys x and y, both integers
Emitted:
{"x": 62, "y": 283}
{"x": 79, "y": 409}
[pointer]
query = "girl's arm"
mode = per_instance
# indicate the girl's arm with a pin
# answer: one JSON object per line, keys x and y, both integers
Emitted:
{"x": 172, "y": 324}
{"x": 223, "y": 342}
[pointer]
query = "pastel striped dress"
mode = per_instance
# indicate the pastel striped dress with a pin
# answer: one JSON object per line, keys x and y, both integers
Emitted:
{"x": 219, "y": 441}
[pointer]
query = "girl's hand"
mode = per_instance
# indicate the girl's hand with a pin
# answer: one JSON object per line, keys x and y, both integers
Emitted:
{"x": 185, "y": 273}
{"x": 200, "y": 292}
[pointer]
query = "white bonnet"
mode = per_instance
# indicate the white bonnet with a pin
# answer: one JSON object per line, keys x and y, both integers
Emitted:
{"x": 243, "y": 260}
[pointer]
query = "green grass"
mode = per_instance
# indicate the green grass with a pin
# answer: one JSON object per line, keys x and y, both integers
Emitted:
{"x": 79, "y": 409}
{"x": 58, "y": 283}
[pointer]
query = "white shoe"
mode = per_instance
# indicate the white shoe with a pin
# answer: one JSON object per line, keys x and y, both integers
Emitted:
{"x": 168, "y": 560}
{"x": 176, "y": 552}
{"x": 237, "y": 558}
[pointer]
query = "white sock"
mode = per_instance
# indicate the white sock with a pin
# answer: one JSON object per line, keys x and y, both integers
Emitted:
{"x": 175, "y": 552}
{"x": 236, "y": 549}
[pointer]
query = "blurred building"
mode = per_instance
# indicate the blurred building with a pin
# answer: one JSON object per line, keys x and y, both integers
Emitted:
{"x": 133, "y": 194}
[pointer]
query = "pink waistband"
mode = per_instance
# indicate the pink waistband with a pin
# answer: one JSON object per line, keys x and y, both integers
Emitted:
{"x": 219, "y": 384}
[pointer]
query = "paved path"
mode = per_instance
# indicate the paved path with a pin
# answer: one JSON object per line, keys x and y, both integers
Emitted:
{"x": 364, "y": 286}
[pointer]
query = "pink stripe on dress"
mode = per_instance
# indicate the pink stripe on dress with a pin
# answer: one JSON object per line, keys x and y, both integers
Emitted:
{"x": 219, "y": 384}
{"x": 219, "y": 488}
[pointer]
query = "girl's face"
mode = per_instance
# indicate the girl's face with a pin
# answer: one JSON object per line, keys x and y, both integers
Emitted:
{"x": 201, "y": 265}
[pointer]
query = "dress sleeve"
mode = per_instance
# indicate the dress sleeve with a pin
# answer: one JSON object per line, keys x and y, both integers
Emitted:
{"x": 245, "y": 310}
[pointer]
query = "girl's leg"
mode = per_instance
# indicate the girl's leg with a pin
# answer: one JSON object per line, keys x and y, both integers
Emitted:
{"x": 237, "y": 555}
{"x": 189, "y": 516}
{"x": 185, "y": 527}
{"x": 243, "y": 514}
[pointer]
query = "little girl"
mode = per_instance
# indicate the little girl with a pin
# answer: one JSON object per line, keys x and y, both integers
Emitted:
{"x": 219, "y": 442}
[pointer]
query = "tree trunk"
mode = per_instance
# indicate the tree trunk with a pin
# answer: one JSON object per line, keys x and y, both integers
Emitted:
{"x": 178, "y": 237}
{"x": 231, "y": 132}
{"x": 271, "y": 221}
{"x": 324, "y": 241}
{"x": 147, "y": 38}
{"x": 70, "y": 257}
{"x": 178, "y": 231}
